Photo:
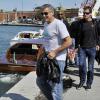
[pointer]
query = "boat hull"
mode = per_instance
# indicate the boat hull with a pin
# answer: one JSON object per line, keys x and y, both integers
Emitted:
{"x": 19, "y": 59}
{"x": 16, "y": 68}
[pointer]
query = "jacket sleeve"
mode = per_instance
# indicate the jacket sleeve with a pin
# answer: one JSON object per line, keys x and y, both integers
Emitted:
{"x": 67, "y": 25}
{"x": 98, "y": 32}
{"x": 75, "y": 32}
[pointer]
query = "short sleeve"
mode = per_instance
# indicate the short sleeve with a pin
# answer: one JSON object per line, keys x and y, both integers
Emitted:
{"x": 62, "y": 29}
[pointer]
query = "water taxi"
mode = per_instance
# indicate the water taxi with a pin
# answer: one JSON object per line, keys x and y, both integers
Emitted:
{"x": 22, "y": 53}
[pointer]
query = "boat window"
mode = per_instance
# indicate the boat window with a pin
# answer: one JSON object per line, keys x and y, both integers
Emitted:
{"x": 25, "y": 46}
{"x": 21, "y": 35}
{"x": 36, "y": 35}
{"x": 34, "y": 46}
{"x": 24, "y": 35}
{"x": 27, "y": 35}
{"x": 25, "y": 49}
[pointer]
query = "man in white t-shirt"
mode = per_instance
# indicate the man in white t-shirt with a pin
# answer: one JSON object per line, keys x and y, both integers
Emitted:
{"x": 57, "y": 39}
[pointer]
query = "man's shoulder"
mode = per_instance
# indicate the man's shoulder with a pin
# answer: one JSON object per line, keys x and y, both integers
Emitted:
{"x": 65, "y": 21}
{"x": 59, "y": 22}
{"x": 76, "y": 23}
{"x": 81, "y": 21}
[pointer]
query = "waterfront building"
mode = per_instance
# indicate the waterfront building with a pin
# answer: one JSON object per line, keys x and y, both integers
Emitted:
{"x": 11, "y": 16}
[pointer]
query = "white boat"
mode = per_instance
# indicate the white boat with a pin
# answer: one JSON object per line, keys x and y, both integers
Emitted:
{"x": 27, "y": 37}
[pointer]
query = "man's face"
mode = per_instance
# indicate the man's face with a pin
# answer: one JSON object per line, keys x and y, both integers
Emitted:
{"x": 60, "y": 15}
{"x": 87, "y": 14}
{"x": 47, "y": 14}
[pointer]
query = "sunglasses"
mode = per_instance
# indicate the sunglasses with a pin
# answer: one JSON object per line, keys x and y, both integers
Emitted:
{"x": 44, "y": 13}
{"x": 86, "y": 13}
{"x": 60, "y": 14}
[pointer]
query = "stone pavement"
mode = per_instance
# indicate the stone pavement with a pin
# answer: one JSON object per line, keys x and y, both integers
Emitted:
{"x": 26, "y": 89}
{"x": 83, "y": 94}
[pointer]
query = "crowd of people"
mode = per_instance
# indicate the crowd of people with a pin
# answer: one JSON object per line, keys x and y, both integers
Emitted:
{"x": 81, "y": 38}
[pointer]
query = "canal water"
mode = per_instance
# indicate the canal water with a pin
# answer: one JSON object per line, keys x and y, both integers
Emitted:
{"x": 7, "y": 80}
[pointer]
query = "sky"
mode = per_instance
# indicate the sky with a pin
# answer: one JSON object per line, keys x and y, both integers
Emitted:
{"x": 29, "y": 5}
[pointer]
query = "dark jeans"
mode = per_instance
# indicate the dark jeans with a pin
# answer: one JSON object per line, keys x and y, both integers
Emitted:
{"x": 77, "y": 59}
{"x": 83, "y": 54}
{"x": 53, "y": 91}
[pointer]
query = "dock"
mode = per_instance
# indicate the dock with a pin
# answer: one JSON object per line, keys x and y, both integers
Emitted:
{"x": 22, "y": 24}
{"x": 26, "y": 89}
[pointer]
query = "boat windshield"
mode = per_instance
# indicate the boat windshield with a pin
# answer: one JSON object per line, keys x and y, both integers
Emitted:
{"x": 29, "y": 35}
{"x": 25, "y": 35}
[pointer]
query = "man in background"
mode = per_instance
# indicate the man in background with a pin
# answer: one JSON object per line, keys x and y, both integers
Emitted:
{"x": 61, "y": 16}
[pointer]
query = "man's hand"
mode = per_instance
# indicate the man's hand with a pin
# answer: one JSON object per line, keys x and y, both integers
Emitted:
{"x": 52, "y": 54}
{"x": 97, "y": 47}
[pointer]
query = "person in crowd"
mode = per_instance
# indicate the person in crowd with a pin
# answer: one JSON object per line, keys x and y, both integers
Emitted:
{"x": 74, "y": 30}
{"x": 87, "y": 44}
{"x": 70, "y": 51}
{"x": 61, "y": 16}
{"x": 57, "y": 39}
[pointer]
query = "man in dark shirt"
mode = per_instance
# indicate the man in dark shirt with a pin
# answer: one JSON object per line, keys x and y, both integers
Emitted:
{"x": 87, "y": 44}
{"x": 61, "y": 16}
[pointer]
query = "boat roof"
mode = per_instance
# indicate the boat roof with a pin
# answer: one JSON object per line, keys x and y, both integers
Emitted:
{"x": 24, "y": 32}
{"x": 30, "y": 39}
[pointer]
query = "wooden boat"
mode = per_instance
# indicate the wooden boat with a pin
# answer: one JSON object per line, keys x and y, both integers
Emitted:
{"x": 21, "y": 56}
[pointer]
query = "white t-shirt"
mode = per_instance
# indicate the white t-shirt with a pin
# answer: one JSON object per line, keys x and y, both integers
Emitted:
{"x": 53, "y": 34}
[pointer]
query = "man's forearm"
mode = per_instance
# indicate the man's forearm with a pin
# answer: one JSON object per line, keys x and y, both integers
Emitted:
{"x": 66, "y": 43}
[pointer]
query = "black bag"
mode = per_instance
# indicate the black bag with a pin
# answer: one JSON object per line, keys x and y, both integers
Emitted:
{"x": 49, "y": 68}
{"x": 41, "y": 66}
{"x": 67, "y": 82}
{"x": 98, "y": 57}
{"x": 53, "y": 70}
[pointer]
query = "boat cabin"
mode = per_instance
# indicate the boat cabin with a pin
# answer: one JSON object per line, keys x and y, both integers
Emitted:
{"x": 22, "y": 53}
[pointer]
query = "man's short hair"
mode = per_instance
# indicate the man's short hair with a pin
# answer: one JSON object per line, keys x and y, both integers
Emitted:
{"x": 89, "y": 8}
{"x": 48, "y": 6}
{"x": 61, "y": 11}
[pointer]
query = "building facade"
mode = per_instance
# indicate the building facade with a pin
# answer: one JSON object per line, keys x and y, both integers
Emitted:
{"x": 16, "y": 15}
{"x": 13, "y": 16}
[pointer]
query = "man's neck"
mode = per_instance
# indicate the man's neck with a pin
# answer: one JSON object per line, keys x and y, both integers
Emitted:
{"x": 89, "y": 19}
{"x": 51, "y": 20}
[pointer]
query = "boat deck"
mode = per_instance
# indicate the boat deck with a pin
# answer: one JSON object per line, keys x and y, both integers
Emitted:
{"x": 19, "y": 66}
{"x": 16, "y": 68}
